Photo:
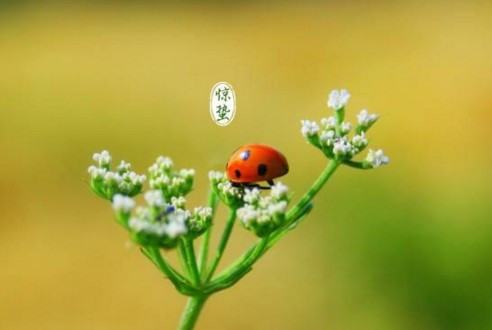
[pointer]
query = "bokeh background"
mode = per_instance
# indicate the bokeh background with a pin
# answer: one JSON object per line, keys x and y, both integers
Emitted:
{"x": 408, "y": 246}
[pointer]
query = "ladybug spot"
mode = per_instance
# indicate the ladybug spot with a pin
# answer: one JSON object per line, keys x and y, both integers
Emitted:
{"x": 262, "y": 169}
{"x": 237, "y": 173}
{"x": 245, "y": 154}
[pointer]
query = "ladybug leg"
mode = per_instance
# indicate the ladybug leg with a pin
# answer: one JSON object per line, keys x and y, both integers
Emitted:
{"x": 254, "y": 185}
{"x": 270, "y": 182}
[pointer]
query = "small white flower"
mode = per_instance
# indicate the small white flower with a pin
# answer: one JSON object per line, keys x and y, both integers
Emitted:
{"x": 251, "y": 196}
{"x": 215, "y": 175}
{"x": 365, "y": 119}
{"x": 329, "y": 123}
{"x": 309, "y": 128}
{"x": 164, "y": 162}
{"x": 346, "y": 127}
{"x": 279, "y": 190}
{"x": 111, "y": 177}
{"x": 187, "y": 173}
{"x": 174, "y": 229}
{"x": 178, "y": 202}
{"x": 123, "y": 166}
{"x": 263, "y": 217}
{"x": 228, "y": 189}
{"x": 338, "y": 99}
{"x": 154, "y": 198}
{"x": 203, "y": 212}
{"x": 277, "y": 208}
{"x": 176, "y": 181}
{"x": 96, "y": 172}
{"x": 265, "y": 201}
{"x": 154, "y": 169}
{"x": 341, "y": 147}
{"x": 360, "y": 140}
{"x": 327, "y": 137}
{"x": 247, "y": 214}
{"x": 176, "y": 224}
{"x": 135, "y": 178}
{"x": 103, "y": 158}
{"x": 377, "y": 158}
{"x": 123, "y": 203}
{"x": 138, "y": 224}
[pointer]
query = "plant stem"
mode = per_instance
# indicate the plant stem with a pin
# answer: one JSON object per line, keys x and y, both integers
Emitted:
{"x": 240, "y": 268}
{"x": 202, "y": 262}
{"x": 175, "y": 277}
{"x": 315, "y": 188}
{"x": 191, "y": 312}
{"x": 190, "y": 259}
{"x": 222, "y": 244}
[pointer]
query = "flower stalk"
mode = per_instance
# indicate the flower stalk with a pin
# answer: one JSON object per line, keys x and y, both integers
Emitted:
{"x": 166, "y": 223}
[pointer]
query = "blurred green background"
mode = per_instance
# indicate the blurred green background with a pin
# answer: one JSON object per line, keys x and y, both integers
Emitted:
{"x": 408, "y": 246}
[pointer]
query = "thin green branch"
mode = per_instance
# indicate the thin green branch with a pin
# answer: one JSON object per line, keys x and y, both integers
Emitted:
{"x": 222, "y": 244}
{"x": 358, "y": 165}
{"x": 203, "y": 258}
{"x": 293, "y": 213}
{"x": 178, "y": 280}
{"x": 188, "y": 252}
{"x": 240, "y": 268}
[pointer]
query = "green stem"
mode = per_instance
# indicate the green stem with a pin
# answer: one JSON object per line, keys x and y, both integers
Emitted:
{"x": 359, "y": 165}
{"x": 183, "y": 258}
{"x": 222, "y": 244}
{"x": 202, "y": 262}
{"x": 179, "y": 281}
{"x": 292, "y": 214}
{"x": 191, "y": 312}
{"x": 240, "y": 268}
{"x": 190, "y": 259}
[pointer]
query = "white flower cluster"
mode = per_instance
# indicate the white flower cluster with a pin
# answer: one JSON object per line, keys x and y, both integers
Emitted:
{"x": 227, "y": 192}
{"x": 338, "y": 99}
{"x": 366, "y": 119}
{"x": 199, "y": 220}
{"x": 123, "y": 203}
{"x": 171, "y": 182}
{"x": 159, "y": 223}
{"x": 377, "y": 158}
{"x": 264, "y": 214}
{"x": 332, "y": 134}
{"x": 107, "y": 183}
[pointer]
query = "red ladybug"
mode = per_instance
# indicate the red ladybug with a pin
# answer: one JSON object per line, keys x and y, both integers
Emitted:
{"x": 256, "y": 162}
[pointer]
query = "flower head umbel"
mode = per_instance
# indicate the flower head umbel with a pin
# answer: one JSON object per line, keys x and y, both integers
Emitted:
{"x": 123, "y": 203}
{"x": 338, "y": 99}
{"x": 107, "y": 183}
{"x": 365, "y": 120}
{"x": 171, "y": 182}
{"x": 332, "y": 135}
{"x": 160, "y": 223}
{"x": 264, "y": 214}
{"x": 309, "y": 128}
{"x": 199, "y": 220}
{"x": 229, "y": 194}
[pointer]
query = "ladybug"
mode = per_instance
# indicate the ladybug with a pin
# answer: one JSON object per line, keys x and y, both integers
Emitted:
{"x": 252, "y": 163}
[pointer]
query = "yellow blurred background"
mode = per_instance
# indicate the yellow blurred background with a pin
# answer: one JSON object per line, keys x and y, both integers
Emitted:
{"x": 408, "y": 246}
